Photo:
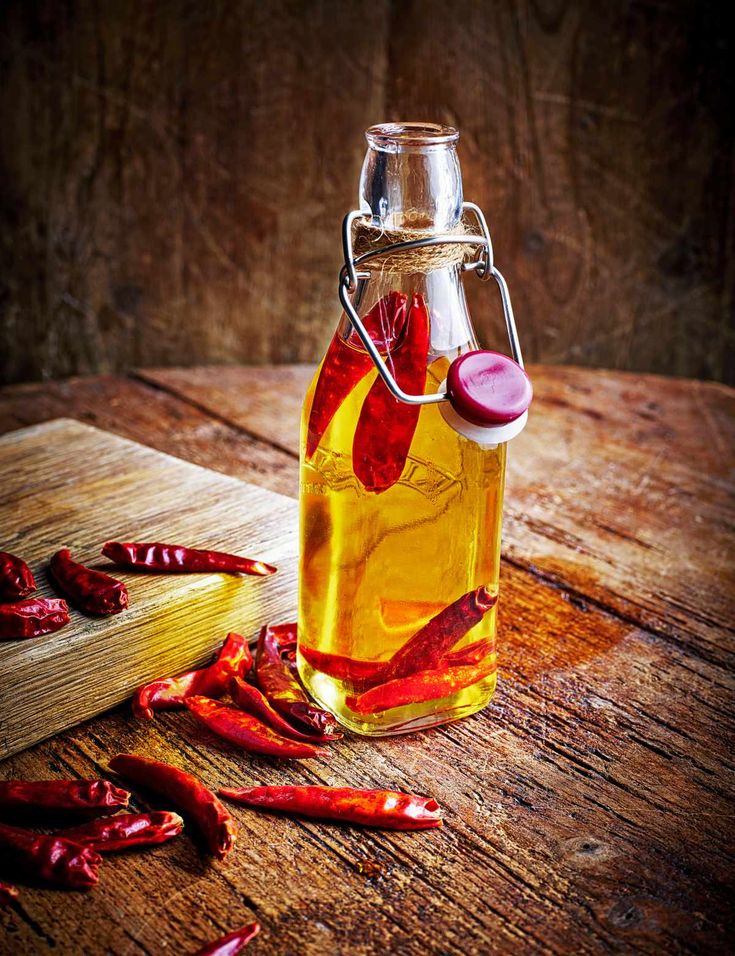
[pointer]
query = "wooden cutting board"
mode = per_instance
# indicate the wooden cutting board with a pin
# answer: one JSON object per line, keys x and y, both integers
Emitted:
{"x": 65, "y": 484}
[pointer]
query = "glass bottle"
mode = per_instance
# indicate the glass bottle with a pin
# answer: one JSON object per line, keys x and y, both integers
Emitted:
{"x": 400, "y": 528}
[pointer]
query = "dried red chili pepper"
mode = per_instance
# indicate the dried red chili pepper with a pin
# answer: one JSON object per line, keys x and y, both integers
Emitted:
{"x": 473, "y": 653}
{"x": 417, "y": 688}
{"x": 126, "y": 830}
{"x": 349, "y": 669}
{"x": 88, "y": 797}
{"x": 16, "y": 579}
{"x": 426, "y": 648}
{"x": 279, "y": 684}
{"x": 7, "y": 894}
{"x": 93, "y": 592}
{"x": 234, "y": 659}
{"x": 385, "y": 428}
{"x": 51, "y": 858}
{"x": 254, "y": 702}
{"x": 246, "y": 731}
{"x": 32, "y": 617}
{"x": 364, "y": 674}
{"x": 344, "y": 366}
{"x": 187, "y": 792}
{"x": 176, "y": 559}
{"x": 388, "y": 809}
{"x": 231, "y": 944}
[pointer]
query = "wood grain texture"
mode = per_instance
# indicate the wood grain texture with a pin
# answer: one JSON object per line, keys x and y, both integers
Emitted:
{"x": 173, "y": 175}
{"x": 608, "y": 446}
{"x": 586, "y": 806}
{"x": 124, "y": 491}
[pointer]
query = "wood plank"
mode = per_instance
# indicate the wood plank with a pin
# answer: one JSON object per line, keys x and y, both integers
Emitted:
{"x": 600, "y": 498}
{"x": 585, "y": 806}
{"x": 265, "y": 402}
{"x": 570, "y": 817}
{"x": 122, "y": 491}
{"x": 173, "y": 185}
{"x": 133, "y": 410}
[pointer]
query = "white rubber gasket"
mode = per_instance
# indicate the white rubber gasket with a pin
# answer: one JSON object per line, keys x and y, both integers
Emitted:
{"x": 489, "y": 436}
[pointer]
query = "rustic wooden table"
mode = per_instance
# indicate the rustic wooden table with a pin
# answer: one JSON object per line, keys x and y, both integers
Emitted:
{"x": 587, "y": 808}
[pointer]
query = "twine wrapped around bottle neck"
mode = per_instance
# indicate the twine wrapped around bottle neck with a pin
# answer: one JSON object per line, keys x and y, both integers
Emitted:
{"x": 369, "y": 236}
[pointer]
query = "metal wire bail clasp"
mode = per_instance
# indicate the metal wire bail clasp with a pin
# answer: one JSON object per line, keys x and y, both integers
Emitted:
{"x": 483, "y": 267}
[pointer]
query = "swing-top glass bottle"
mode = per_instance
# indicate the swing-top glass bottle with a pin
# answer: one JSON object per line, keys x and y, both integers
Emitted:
{"x": 401, "y": 504}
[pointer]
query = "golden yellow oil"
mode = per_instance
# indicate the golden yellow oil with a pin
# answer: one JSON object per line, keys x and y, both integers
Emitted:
{"x": 374, "y": 568}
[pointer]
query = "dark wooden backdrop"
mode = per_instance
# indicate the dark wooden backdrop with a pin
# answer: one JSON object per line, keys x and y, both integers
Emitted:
{"x": 173, "y": 173}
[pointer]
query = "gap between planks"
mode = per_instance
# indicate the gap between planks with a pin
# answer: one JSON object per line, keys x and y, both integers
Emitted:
{"x": 580, "y": 599}
{"x": 140, "y": 376}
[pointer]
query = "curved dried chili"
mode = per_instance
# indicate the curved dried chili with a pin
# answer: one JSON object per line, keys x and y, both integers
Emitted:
{"x": 16, "y": 578}
{"x": 418, "y": 687}
{"x": 233, "y": 660}
{"x": 438, "y": 636}
{"x": 344, "y": 366}
{"x": 246, "y": 731}
{"x": 50, "y": 858}
{"x": 126, "y": 830}
{"x": 87, "y": 797}
{"x": 255, "y": 703}
{"x": 177, "y": 559}
{"x": 91, "y": 591}
{"x": 279, "y": 685}
{"x": 386, "y": 426}
{"x": 185, "y": 791}
{"x": 32, "y": 617}
{"x": 350, "y": 669}
{"x": 231, "y": 944}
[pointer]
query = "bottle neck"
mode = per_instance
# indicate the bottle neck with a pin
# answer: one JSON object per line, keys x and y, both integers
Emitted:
{"x": 411, "y": 177}
{"x": 411, "y": 180}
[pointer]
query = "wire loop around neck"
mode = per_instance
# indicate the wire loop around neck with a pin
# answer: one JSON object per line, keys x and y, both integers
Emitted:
{"x": 484, "y": 267}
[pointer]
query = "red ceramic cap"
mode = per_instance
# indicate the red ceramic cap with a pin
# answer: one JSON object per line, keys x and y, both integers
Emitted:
{"x": 488, "y": 388}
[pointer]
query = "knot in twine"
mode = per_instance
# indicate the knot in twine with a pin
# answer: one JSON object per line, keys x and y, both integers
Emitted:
{"x": 370, "y": 236}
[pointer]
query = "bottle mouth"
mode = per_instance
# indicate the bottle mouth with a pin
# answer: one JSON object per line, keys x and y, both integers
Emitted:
{"x": 410, "y": 137}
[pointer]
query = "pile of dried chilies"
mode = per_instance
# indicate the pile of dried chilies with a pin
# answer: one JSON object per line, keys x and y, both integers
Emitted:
{"x": 272, "y": 715}
{"x": 94, "y": 592}
{"x": 278, "y": 719}
{"x": 275, "y": 718}
{"x": 70, "y": 857}
{"x": 21, "y": 616}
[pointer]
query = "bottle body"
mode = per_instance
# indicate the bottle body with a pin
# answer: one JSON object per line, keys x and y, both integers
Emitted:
{"x": 376, "y": 568}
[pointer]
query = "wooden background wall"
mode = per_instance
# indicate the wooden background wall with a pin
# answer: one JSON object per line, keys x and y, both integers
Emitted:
{"x": 173, "y": 172}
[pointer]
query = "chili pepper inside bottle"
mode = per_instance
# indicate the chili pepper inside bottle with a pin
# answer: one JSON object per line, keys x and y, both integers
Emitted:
{"x": 403, "y": 448}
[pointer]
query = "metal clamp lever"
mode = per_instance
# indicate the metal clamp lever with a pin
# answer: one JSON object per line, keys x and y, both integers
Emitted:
{"x": 484, "y": 267}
